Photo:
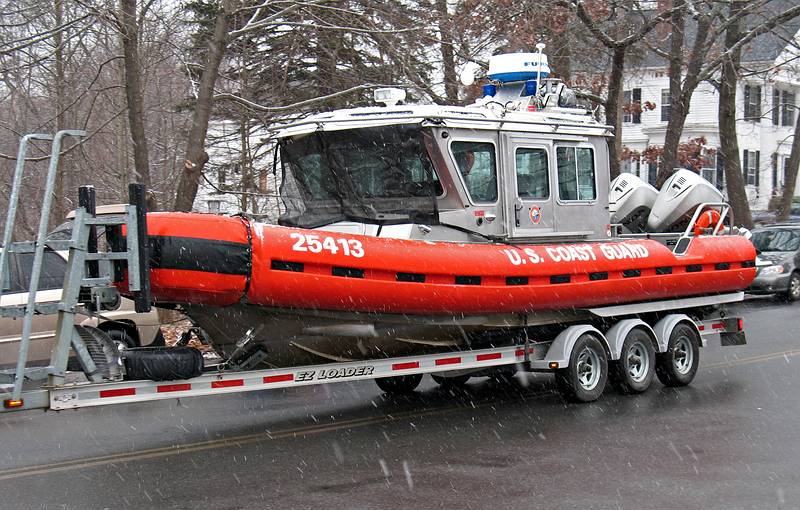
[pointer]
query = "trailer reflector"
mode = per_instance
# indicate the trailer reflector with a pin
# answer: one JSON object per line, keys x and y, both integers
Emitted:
{"x": 448, "y": 361}
{"x": 487, "y": 357}
{"x": 167, "y": 388}
{"x": 278, "y": 378}
{"x": 405, "y": 366}
{"x": 227, "y": 384}
{"x": 119, "y": 392}
{"x": 553, "y": 365}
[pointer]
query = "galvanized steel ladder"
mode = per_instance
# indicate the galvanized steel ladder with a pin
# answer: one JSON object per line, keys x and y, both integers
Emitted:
{"x": 87, "y": 270}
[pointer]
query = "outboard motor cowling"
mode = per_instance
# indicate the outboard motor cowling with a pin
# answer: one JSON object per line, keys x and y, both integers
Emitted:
{"x": 678, "y": 199}
{"x": 630, "y": 200}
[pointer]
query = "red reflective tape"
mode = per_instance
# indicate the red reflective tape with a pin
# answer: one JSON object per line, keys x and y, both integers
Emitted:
{"x": 166, "y": 388}
{"x": 701, "y": 327}
{"x": 718, "y": 325}
{"x": 448, "y": 361}
{"x": 279, "y": 378}
{"x": 521, "y": 352}
{"x": 121, "y": 392}
{"x": 227, "y": 384}
{"x": 405, "y": 366}
{"x": 487, "y": 357}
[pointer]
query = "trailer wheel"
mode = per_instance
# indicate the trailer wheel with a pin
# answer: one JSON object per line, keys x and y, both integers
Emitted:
{"x": 634, "y": 371}
{"x": 399, "y": 384}
{"x": 459, "y": 380}
{"x": 678, "y": 365}
{"x": 585, "y": 378}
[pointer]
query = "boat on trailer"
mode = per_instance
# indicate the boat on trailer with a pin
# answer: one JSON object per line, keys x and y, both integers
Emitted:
{"x": 413, "y": 239}
{"x": 419, "y": 229}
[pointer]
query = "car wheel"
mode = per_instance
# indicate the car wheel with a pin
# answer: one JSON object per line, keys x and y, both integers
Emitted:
{"x": 793, "y": 291}
{"x": 678, "y": 365}
{"x": 585, "y": 378}
{"x": 399, "y": 384}
{"x": 635, "y": 369}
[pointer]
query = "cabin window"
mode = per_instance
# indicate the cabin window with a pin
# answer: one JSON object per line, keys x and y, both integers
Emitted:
{"x": 576, "y": 179}
{"x": 532, "y": 176}
{"x": 477, "y": 164}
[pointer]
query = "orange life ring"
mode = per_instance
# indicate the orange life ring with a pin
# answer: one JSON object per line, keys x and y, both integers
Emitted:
{"x": 708, "y": 219}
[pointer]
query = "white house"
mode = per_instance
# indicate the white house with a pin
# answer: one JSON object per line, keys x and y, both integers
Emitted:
{"x": 226, "y": 185}
{"x": 765, "y": 105}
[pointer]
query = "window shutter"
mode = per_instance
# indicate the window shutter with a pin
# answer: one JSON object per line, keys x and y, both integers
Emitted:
{"x": 747, "y": 112}
{"x": 637, "y": 98}
{"x": 757, "y": 105}
{"x": 720, "y": 169}
{"x": 758, "y": 166}
{"x": 776, "y": 106}
{"x": 774, "y": 170}
{"x": 744, "y": 166}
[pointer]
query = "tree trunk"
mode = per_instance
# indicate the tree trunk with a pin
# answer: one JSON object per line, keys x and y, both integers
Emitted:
{"x": 59, "y": 204}
{"x": 790, "y": 179}
{"x": 729, "y": 144}
{"x": 196, "y": 156}
{"x": 446, "y": 45}
{"x": 613, "y": 113}
{"x": 678, "y": 109}
{"x": 133, "y": 90}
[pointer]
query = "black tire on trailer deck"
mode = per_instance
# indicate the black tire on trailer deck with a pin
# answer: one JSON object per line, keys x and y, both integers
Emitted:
{"x": 633, "y": 372}
{"x": 678, "y": 365}
{"x": 459, "y": 380}
{"x": 399, "y": 384}
{"x": 121, "y": 338}
{"x": 585, "y": 378}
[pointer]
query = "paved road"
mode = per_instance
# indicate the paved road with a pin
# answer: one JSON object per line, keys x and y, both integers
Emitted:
{"x": 730, "y": 440}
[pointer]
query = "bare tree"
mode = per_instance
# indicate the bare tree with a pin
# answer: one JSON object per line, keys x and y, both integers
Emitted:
{"x": 729, "y": 145}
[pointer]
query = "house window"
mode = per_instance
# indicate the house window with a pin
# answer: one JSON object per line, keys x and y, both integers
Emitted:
{"x": 632, "y": 106}
{"x": 576, "y": 179}
{"x": 720, "y": 166}
{"x": 213, "y": 206}
{"x": 652, "y": 173}
{"x": 709, "y": 169}
{"x": 783, "y": 103}
{"x": 221, "y": 176}
{"x": 666, "y": 101}
{"x": 752, "y": 103}
{"x": 750, "y": 163}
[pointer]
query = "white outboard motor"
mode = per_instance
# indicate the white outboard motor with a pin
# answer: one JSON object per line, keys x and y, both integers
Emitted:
{"x": 630, "y": 200}
{"x": 678, "y": 199}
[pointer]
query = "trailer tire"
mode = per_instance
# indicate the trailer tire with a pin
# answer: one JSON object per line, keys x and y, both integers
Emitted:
{"x": 459, "y": 380}
{"x": 585, "y": 378}
{"x": 635, "y": 369}
{"x": 400, "y": 384}
{"x": 677, "y": 366}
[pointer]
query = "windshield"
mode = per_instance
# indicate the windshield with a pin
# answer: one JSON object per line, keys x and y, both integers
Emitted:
{"x": 777, "y": 240}
{"x": 377, "y": 175}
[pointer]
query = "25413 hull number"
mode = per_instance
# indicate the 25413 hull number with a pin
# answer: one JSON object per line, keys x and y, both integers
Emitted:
{"x": 317, "y": 244}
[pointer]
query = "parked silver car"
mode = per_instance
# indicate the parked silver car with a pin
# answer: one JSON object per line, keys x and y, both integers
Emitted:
{"x": 126, "y": 327}
{"x": 778, "y": 261}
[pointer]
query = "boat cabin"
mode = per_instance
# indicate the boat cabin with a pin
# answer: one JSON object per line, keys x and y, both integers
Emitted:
{"x": 521, "y": 164}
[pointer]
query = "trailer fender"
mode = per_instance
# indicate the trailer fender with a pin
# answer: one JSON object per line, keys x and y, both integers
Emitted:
{"x": 617, "y": 334}
{"x": 663, "y": 329}
{"x": 561, "y": 348}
